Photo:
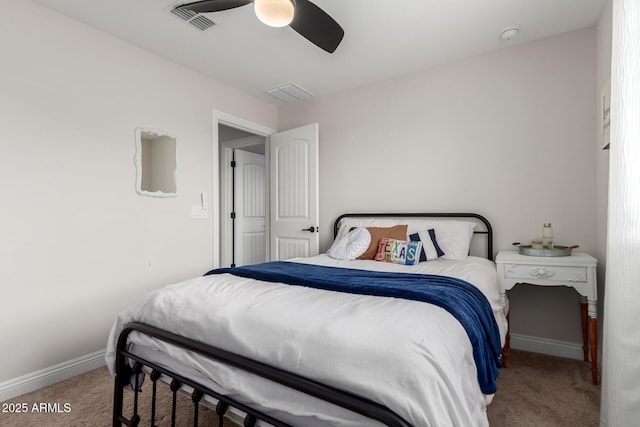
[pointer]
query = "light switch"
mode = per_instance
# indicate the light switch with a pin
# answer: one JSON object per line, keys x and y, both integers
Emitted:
{"x": 204, "y": 199}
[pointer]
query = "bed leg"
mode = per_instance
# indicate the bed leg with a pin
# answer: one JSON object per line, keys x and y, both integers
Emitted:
{"x": 507, "y": 345}
{"x": 121, "y": 380}
{"x": 118, "y": 397}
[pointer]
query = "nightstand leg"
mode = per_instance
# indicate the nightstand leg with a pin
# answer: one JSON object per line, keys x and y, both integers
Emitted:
{"x": 583, "y": 315}
{"x": 593, "y": 338}
{"x": 507, "y": 344}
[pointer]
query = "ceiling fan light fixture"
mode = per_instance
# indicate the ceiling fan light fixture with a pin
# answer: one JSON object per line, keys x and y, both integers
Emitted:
{"x": 274, "y": 13}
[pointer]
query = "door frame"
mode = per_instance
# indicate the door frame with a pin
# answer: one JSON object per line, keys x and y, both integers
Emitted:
{"x": 222, "y": 118}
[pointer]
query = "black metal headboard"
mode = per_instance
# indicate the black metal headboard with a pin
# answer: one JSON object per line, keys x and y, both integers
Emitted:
{"x": 488, "y": 230}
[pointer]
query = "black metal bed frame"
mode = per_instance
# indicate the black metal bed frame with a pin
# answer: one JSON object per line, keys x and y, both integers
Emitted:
{"x": 126, "y": 371}
{"x": 488, "y": 231}
{"x": 130, "y": 367}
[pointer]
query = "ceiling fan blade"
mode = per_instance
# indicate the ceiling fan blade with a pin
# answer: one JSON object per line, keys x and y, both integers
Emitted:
{"x": 316, "y": 25}
{"x": 207, "y": 6}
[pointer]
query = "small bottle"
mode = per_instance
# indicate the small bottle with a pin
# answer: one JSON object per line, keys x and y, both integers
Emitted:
{"x": 547, "y": 236}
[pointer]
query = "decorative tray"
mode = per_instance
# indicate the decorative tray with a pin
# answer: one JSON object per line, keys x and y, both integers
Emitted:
{"x": 557, "y": 250}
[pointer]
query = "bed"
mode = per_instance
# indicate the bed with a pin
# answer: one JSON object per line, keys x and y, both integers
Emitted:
{"x": 330, "y": 340}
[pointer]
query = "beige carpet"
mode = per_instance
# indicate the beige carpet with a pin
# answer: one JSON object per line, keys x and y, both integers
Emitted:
{"x": 539, "y": 390}
{"x": 536, "y": 390}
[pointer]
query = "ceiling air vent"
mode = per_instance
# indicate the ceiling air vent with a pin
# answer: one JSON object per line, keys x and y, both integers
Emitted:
{"x": 198, "y": 21}
{"x": 289, "y": 92}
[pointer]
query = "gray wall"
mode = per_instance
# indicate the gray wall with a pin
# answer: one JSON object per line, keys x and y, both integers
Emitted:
{"x": 603, "y": 73}
{"x": 77, "y": 243}
{"x": 509, "y": 134}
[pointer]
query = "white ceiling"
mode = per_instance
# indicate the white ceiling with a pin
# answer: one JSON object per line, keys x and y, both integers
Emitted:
{"x": 383, "y": 39}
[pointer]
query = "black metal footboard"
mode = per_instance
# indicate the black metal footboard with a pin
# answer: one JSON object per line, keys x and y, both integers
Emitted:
{"x": 129, "y": 366}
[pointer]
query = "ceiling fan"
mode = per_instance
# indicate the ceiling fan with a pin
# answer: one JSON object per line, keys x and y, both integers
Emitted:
{"x": 304, "y": 17}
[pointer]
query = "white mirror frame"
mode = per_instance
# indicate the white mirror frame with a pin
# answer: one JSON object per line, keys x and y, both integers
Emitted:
{"x": 138, "y": 163}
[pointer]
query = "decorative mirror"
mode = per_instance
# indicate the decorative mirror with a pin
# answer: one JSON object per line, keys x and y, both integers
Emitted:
{"x": 156, "y": 164}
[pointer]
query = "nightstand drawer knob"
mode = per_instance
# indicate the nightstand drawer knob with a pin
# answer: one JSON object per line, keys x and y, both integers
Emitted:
{"x": 542, "y": 272}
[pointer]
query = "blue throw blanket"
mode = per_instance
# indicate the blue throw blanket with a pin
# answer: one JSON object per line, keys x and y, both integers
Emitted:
{"x": 463, "y": 300}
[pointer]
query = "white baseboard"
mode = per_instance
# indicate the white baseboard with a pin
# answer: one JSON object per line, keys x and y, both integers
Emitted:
{"x": 547, "y": 346}
{"x": 51, "y": 375}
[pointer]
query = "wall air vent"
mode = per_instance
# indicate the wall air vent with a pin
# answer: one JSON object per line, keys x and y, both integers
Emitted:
{"x": 289, "y": 92}
{"x": 194, "y": 19}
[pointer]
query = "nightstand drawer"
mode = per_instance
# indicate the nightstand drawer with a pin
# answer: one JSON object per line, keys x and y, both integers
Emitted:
{"x": 545, "y": 272}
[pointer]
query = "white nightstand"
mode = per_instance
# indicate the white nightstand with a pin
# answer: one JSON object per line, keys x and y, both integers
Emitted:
{"x": 577, "y": 271}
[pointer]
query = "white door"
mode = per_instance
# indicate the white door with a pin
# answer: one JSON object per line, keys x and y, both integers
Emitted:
{"x": 294, "y": 193}
{"x": 250, "y": 206}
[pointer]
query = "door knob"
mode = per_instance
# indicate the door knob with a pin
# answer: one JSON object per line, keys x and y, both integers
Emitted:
{"x": 311, "y": 229}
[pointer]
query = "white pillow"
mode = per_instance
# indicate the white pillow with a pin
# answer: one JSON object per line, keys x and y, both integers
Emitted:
{"x": 454, "y": 238}
{"x": 352, "y": 245}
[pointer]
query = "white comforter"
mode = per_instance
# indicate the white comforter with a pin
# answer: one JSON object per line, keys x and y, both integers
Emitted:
{"x": 412, "y": 357}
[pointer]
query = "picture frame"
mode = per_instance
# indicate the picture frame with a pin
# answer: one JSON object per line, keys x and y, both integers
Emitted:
{"x": 605, "y": 115}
